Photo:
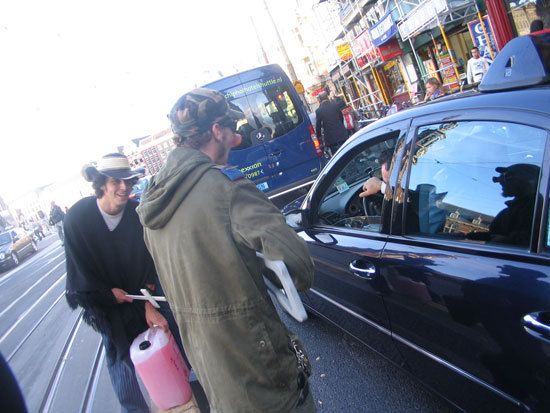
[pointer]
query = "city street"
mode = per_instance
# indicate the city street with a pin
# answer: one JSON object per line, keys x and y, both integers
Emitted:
{"x": 58, "y": 360}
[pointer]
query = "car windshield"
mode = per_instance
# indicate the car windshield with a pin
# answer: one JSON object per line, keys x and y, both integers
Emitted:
{"x": 5, "y": 238}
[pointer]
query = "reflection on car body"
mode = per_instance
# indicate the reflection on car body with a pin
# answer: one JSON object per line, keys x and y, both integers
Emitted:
{"x": 449, "y": 274}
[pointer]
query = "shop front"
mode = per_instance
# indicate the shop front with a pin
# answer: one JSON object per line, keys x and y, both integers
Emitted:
{"x": 390, "y": 74}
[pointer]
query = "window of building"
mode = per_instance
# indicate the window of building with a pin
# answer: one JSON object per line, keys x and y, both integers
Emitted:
{"x": 475, "y": 181}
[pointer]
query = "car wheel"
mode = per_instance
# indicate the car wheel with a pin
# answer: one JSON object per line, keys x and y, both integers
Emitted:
{"x": 34, "y": 246}
{"x": 15, "y": 259}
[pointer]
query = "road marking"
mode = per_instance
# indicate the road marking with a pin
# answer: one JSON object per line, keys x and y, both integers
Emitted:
{"x": 30, "y": 288}
{"x": 22, "y": 316}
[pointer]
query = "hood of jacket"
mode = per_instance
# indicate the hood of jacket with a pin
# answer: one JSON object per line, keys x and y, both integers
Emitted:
{"x": 184, "y": 167}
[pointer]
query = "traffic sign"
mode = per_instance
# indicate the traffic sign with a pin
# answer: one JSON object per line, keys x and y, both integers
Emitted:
{"x": 299, "y": 87}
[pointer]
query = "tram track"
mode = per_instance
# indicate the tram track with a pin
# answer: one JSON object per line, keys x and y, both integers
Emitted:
{"x": 29, "y": 310}
{"x": 51, "y": 390}
{"x": 93, "y": 380}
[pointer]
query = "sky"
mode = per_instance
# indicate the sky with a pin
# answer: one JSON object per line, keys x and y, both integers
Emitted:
{"x": 79, "y": 78}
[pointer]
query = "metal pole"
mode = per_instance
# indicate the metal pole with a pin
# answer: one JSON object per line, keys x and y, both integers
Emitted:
{"x": 289, "y": 65}
{"x": 484, "y": 31}
{"x": 450, "y": 53}
{"x": 259, "y": 41}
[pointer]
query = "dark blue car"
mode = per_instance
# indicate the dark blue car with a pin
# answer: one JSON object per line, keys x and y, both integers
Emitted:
{"x": 445, "y": 269}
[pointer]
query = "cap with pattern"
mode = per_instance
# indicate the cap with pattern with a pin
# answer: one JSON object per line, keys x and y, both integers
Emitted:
{"x": 196, "y": 111}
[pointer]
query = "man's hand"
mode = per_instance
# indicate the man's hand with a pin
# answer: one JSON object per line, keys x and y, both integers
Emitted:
{"x": 120, "y": 296}
{"x": 153, "y": 317}
{"x": 371, "y": 186}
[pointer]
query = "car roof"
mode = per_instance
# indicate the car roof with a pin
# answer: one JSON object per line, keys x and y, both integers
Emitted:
{"x": 532, "y": 99}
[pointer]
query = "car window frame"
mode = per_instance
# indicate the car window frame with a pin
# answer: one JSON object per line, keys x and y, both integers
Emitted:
{"x": 331, "y": 171}
{"x": 489, "y": 114}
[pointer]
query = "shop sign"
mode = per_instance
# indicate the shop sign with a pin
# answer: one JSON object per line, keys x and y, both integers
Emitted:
{"x": 449, "y": 73}
{"x": 476, "y": 31}
{"x": 316, "y": 92}
{"x": 365, "y": 46}
{"x": 420, "y": 17}
{"x": 344, "y": 51}
{"x": 389, "y": 50}
{"x": 298, "y": 86}
{"x": 384, "y": 30}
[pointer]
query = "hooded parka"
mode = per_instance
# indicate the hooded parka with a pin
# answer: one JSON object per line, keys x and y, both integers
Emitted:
{"x": 203, "y": 228}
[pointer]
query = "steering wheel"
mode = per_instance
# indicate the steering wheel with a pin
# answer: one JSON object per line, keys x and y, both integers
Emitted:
{"x": 372, "y": 205}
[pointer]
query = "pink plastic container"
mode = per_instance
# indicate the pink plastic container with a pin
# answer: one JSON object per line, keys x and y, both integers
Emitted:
{"x": 161, "y": 367}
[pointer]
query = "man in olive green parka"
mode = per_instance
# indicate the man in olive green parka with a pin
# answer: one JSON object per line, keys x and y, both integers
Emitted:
{"x": 203, "y": 225}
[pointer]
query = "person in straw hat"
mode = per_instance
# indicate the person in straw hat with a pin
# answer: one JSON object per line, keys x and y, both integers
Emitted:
{"x": 106, "y": 260}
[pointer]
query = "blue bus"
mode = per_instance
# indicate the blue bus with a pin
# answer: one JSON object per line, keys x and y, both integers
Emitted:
{"x": 279, "y": 151}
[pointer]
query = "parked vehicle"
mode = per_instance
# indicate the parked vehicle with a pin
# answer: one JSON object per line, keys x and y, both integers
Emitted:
{"x": 14, "y": 245}
{"x": 447, "y": 272}
{"x": 279, "y": 149}
{"x": 139, "y": 187}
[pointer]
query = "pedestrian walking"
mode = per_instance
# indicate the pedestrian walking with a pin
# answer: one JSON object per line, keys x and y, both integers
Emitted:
{"x": 329, "y": 123}
{"x": 203, "y": 225}
{"x": 477, "y": 67}
{"x": 106, "y": 260}
{"x": 56, "y": 220}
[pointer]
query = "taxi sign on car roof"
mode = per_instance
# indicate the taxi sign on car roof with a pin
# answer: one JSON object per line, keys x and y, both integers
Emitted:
{"x": 524, "y": 61}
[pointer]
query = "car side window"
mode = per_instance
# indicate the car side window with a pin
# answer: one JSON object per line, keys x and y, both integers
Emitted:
{"x": 341, "y": 205}
{"x": 475, "y": 181}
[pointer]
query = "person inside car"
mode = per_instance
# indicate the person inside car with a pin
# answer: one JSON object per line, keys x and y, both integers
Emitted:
{"x": 374, "y": 185}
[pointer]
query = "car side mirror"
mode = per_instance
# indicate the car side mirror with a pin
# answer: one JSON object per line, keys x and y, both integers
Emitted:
{"x": 296, "y": 219}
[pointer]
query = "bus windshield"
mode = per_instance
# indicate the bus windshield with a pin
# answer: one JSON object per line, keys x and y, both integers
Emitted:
{"x": 272, "y": 109}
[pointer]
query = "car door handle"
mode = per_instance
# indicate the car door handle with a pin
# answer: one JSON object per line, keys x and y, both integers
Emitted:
{"x": 363, "y": 269}
{"x": 531, "y": 323}
{"x": 276, "y": 153}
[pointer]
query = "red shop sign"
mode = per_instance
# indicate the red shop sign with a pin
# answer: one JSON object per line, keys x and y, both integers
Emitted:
{"x": 389, "y": 50}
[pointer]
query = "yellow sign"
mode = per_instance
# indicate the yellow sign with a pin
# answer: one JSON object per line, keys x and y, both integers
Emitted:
{"x": 344, "y": 51}
{"x": 299, "y": 87}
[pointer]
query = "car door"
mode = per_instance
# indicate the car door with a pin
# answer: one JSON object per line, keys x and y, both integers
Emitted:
{"x": 469, "y": 281}
{"x": 345, "y": 242}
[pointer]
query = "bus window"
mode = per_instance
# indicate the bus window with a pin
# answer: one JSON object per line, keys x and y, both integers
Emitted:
{"x": 274, "y": 109}
{"x": 246, "y": 127}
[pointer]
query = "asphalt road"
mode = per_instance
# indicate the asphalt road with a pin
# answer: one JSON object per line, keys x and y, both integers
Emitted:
{"x": 349, "y": 377}
{"x": 57, "y": 359}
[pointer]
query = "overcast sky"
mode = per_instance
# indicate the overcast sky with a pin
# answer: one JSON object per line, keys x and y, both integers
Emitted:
{"x": 78, "y": 78}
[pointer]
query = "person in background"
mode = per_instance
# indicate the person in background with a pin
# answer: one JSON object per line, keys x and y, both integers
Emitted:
{"x": 542, "y": 9}
{"x": 477, "y": 67}
{"x": 106, "y": 260}
{"x": 339, "y": 100}
{"x": 56, "y": 220}
{"x": 329, "y": 123}
{"x": 203, "y": 224}
{"x": 434, "y": 89}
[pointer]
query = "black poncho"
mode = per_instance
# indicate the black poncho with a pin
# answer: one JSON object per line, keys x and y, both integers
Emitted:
{"x": 99, "y": 260}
